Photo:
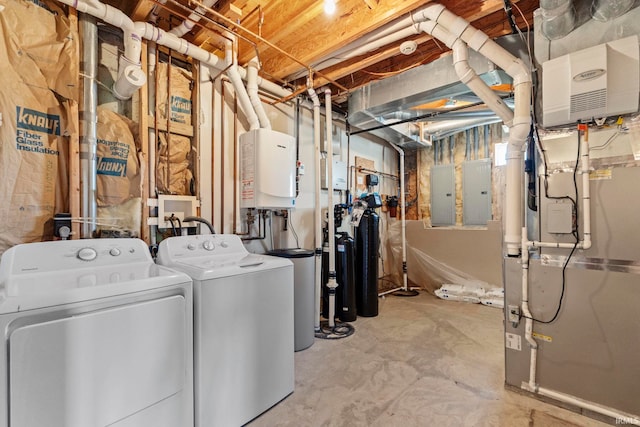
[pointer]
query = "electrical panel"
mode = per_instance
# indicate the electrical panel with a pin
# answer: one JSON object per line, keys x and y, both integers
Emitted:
{"x": 476, "y": 192}
{"x": 339, "y": 174}
{"x": 443, "y": 195}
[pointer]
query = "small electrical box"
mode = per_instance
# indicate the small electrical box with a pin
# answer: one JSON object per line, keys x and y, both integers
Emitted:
{"x": 560, "y": 218}
{"x": 339, "y": 174}
{"x": 372, "y": 180}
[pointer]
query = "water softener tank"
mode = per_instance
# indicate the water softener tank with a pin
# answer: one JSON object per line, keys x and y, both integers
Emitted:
{"x": 303, "y": 294}
{"x": 367, "y": 242}
{"x": 345, "y": 276}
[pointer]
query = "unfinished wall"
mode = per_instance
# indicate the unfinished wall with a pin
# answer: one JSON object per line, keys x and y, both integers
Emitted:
{"x": 457, "y": 254}
{"x": 426, "y": 161}
{"x": 38, "y": 92}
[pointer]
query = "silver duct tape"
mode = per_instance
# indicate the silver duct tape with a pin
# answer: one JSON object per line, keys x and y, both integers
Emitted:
{"x": 585, "y": 263}
{"x": 627, "y": 161}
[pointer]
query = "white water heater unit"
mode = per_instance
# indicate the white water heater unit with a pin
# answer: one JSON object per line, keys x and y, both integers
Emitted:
{"x": 267, "y": 170}
{"x": 597, "y": 82}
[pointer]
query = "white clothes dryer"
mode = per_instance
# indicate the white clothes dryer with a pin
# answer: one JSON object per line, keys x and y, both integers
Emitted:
{"x": 94, "y": 334}
{"x": 243, "y": 320}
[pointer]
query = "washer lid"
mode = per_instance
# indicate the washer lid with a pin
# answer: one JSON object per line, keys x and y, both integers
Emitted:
{"x": 205, "y": 268}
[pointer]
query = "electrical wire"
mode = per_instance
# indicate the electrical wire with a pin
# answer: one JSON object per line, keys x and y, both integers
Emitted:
{"x": 575, "y": 245}
{"x": 609, "y": 141}
{"x": 173, "y": 226}
{"x": 293, "y": 229}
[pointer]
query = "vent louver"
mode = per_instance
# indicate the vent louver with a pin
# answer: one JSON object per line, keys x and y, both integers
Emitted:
{"x": 594, "y": 100}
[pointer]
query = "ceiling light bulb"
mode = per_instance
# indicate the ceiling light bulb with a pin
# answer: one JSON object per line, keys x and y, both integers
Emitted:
{"x": 329, "y": 7}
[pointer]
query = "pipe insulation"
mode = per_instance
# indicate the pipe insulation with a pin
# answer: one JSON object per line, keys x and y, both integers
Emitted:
{"x": 332, "y": 285}
{"x": 318, "y": 209}
{"x": 89, "y": 126}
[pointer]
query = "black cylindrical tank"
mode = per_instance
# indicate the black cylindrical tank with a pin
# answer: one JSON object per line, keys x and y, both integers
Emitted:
{"x": 345, "y": 276}
{"x": 367, "y": 242}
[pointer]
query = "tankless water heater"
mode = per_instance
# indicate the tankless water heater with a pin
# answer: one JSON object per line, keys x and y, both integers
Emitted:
{"x": 267, "y": 170}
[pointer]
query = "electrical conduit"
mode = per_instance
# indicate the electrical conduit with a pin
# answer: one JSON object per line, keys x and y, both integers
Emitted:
{"x": 318, "y": 210}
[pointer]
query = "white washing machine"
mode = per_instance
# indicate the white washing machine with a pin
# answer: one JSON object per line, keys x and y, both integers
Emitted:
{"x": 243, "y": 320}
{"x": 94, "y": 334}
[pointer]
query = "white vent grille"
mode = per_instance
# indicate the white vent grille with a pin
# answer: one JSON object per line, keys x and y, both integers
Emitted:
{"x": 587, "y": 101}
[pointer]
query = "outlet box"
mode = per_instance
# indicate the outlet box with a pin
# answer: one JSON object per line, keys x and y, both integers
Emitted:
{"x": 179, "y": 206}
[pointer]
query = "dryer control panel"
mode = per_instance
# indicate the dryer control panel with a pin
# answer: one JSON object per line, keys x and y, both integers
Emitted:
{"x": 44, "y": 257}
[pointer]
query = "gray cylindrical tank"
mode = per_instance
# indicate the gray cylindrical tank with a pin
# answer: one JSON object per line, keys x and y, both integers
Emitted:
{"x": 303, "y": 294}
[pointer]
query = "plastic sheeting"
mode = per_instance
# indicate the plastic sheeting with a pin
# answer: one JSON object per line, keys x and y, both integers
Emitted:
{"x": 428, "y": 272}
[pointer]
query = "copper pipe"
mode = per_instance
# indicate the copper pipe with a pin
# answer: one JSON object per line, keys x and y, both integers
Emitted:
{"x": 251, "y": 33}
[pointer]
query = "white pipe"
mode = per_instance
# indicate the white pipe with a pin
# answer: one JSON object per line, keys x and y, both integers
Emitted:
{"x": 613, "y": 413}
{"x": 467, "y": 74}
{"x": 252, "y": 89}
{"x": 318, "y": 209}
{"x": 585, "y": 243}
{"x": 519, "y": 130}
{"x": 332, "y": 284}
{"x": 188, "y": 24}
{"x": 469, "y": 77}
{"x": 586, "y": 193}
{"x": 528, "y": 326}
{"x": 405, "y": 285}
{"x": 241, "y": 91}
{"x": 531, "y": 385}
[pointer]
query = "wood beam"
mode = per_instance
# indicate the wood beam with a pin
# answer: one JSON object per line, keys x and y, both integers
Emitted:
{"x": 142, "y": 10}
{"x": 312, "y": 46}
{"x": 316, "y": 35}
{"x": 493, "y": 25}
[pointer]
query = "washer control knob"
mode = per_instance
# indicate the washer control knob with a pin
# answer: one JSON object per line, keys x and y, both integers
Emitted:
{"x": 191, "y": 247}
{"x": 208, "y": 245}
{"x": 114, "y": 252}
{"x": 224, "y": 244}
{"x": 87, "y": 254}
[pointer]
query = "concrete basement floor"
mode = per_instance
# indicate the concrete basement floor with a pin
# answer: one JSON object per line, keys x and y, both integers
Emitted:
{"x": 422, "y": 362}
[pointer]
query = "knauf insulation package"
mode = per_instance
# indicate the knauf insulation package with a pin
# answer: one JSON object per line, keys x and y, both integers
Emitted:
{"x": 38, "y": 55}
{"x": 173, "y": 175}
{"x": 177, "y": 85}
{"x": 118, "y": 165}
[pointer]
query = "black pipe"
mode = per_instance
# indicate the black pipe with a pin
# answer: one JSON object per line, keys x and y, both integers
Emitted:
{"x": 201, "y": 220}
{"x": 416, "y": 119}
